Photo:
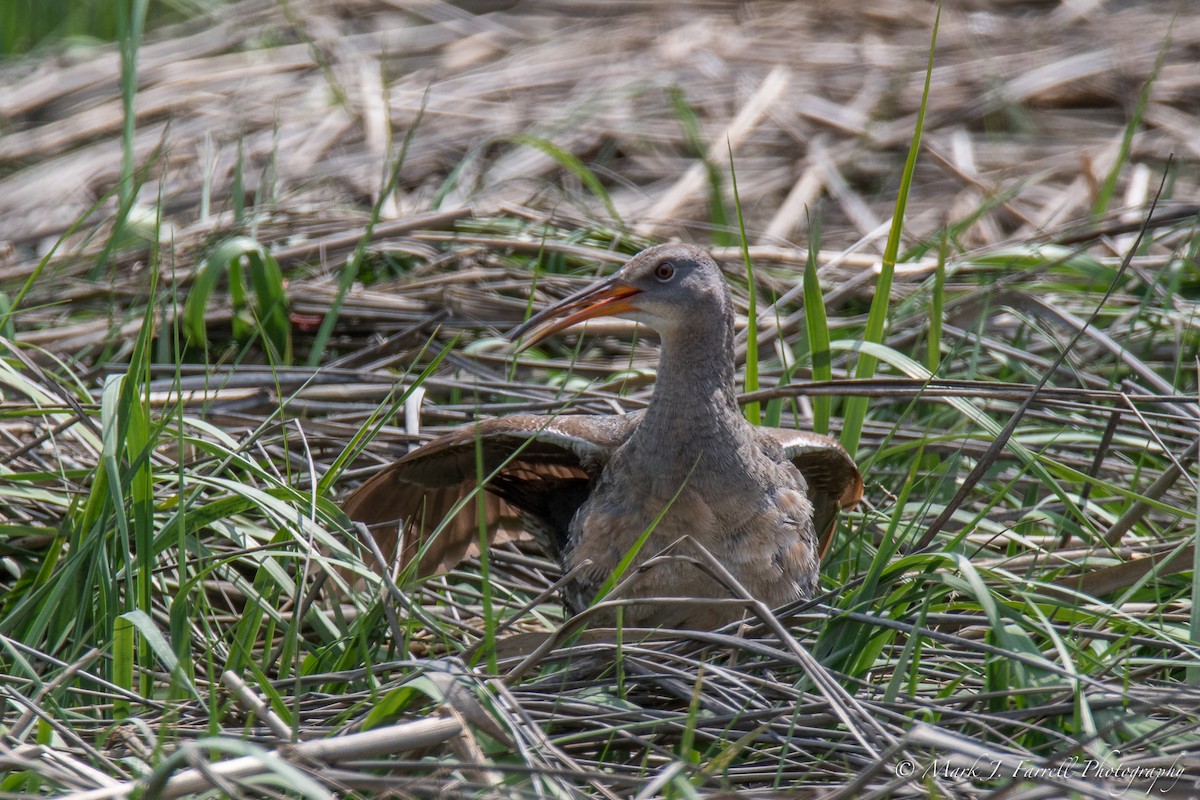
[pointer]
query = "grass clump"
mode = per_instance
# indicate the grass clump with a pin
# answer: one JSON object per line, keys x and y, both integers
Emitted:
{"x": 192, "y": 552}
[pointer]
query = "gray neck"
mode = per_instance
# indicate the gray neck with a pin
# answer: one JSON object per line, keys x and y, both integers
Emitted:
{"x": 694, "y": 412}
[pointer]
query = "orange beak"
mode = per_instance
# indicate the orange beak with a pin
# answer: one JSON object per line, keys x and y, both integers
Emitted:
{"x": 604, "y": 299}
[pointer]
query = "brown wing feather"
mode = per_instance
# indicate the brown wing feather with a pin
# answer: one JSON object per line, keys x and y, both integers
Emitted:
{"x": 412, "y": 496}
{"x": 833, "y": 479}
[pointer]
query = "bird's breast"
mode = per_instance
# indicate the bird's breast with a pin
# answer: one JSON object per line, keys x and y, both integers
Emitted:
{"x": 762, "y": 535}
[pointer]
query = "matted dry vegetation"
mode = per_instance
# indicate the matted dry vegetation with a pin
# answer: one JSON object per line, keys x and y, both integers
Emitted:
{"x": 533, "y": 144}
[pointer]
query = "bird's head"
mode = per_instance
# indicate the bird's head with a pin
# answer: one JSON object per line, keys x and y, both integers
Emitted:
{"x": 667, "y": 287}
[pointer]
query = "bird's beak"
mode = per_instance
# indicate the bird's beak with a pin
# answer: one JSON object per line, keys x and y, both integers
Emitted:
{"x": 606, "y": 298}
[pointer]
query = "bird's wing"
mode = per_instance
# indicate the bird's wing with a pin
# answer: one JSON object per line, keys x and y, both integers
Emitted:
{"x": 543, "y": 466}
{"x": 832, "y": 478}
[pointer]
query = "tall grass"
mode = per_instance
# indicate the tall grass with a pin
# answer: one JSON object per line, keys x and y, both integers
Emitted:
{"x": 856, "y": 407}
{"x": 189, "y": 554}
{"x": 750, "y": 382}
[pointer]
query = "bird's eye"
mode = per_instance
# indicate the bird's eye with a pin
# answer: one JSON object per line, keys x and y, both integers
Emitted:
{"x": 664, "y": 271}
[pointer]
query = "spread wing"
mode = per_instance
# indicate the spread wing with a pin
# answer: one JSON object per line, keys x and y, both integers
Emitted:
{"x": 541, "y": 469}
{"x": 833, "y": 479}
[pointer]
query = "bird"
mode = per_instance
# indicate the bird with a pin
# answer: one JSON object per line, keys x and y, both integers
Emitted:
{"x": 599, "y": 492}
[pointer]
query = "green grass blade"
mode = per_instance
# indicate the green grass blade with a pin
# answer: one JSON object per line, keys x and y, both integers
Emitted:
{"x": 268, "y": 317}
{"x": 573, "y": 165}
{"x": 7, "y": 329}
{"x": 35, "y": 274}
{"x": 129, "y": 32}
{"x": 140, "y": 438}
{"x": 690, "y": 124}
{"x": 157, "y": 643}
{"x": 271, "y": 306}
{"x": 123, "y": 660}
{"x": 1109, "y": 188}
{"x": 817, "y": 325}
{"x": 856, "y": 407}
{"x": 937, "y": 310}
{"x": 753, "y": 410}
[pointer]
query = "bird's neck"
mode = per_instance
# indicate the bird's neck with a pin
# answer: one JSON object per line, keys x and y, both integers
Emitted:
{"x": 695, "y": 401}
